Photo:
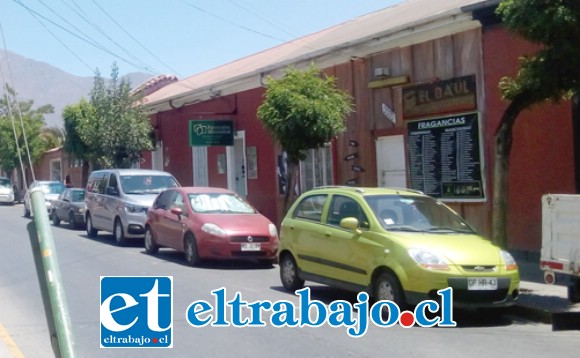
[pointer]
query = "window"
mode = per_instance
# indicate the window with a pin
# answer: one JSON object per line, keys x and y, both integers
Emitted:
{"x": 55, "y": 170}
{"x": 311, "y": 208}
{"x": 343, "y": 207}
{"x": 163, "y": 200}
{"x": 316, "y": 169}
{"x": 102, "y": 184}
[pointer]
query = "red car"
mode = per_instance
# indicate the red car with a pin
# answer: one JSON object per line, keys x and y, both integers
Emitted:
{"x": 206, "y": 222}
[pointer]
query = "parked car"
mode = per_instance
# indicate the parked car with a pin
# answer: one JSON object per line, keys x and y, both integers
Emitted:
{"x": 70, "y": 207}
{"x": 395, "y": 244}
{"x": 51, "y": 189}
{"x": 7, "y": 193}
{"x": 117, "y": 200}
{"x": 205, "y": 222}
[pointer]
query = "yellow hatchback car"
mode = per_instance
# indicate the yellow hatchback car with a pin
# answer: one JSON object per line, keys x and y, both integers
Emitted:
{"x": 395, "y": 244}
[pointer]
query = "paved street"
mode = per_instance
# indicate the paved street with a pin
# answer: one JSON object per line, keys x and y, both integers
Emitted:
{"x": 83, "y": 261}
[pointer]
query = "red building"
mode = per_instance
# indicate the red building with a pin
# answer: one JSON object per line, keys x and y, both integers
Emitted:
{"x": 424, "y": 77}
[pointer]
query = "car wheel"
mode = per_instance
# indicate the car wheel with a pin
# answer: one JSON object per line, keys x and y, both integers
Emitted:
{"x": 387, "y": 287}
{"x": 289, "y": 274}
{"x": 118, "y": 233}
{"x": 26, "y": 211}
{"x": 55, "y": 219}
{"x": 151, "y": 246}
{"x": 71, "y": 220}
{"x": 190, "y": 248}
{"x": 91, "y": 231}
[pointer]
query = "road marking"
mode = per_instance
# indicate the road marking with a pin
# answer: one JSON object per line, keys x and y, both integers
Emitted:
{"x": 9, "y": 342}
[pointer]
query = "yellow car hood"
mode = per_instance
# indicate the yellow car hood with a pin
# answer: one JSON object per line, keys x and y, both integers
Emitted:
{"x": 460, "y": 249}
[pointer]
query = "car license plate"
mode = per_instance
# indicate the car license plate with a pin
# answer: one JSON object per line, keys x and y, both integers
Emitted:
{"x": 481, "y": 283}
{"x": 250, "y": 246}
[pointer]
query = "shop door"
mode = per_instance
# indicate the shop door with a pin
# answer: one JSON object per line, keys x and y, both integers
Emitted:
{"x": 391, "y": 167}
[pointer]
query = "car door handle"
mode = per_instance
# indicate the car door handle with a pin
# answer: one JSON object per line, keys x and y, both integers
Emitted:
{"x": 327, "y": 234}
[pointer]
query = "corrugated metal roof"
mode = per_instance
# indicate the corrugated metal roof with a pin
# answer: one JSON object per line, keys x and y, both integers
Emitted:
{"x": 382, "y": 23}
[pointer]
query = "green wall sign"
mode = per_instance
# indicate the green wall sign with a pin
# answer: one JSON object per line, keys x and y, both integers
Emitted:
{"x": 211, "y": 132}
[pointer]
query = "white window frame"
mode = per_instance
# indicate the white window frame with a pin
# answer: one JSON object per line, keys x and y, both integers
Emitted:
{"x": 316, "y": 169}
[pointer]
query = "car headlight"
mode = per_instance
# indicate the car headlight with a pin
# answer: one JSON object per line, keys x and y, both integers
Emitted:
{"x": 135, "y": 208}
{"x": 273, "y": 230}
{"x": 81, "y": 210}
{"x": 213, "y": 229}
{"x": 509, "y": 261}
{"x": 428, "y": 259}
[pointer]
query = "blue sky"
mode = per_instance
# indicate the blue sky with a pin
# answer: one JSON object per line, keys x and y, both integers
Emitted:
{"x": 182, "y": 37}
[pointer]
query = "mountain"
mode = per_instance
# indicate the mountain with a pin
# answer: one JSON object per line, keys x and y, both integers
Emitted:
{"x": 46, "y": 84}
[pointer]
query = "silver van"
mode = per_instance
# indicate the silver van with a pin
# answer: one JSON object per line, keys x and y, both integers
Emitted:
{"x": 117, "y": 200}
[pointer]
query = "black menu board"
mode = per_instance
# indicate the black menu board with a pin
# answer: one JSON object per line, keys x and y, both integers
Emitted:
{"x": 444, "y": 157}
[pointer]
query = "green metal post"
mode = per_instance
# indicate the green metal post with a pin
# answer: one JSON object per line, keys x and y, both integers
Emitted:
{"x": 49, "y": 278}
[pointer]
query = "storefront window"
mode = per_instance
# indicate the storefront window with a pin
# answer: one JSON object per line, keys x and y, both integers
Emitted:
{"x": 316, "y": 169}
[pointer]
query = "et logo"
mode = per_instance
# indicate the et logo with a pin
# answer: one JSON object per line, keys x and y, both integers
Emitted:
{"x": 136, "y": 311}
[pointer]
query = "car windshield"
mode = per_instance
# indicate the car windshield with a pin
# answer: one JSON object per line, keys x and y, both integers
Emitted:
{"x": 146, "y": 184}
{"x": 52, "y": 188}
{"x": 219, "y": 203}
{"x": 77, "y": 195}
{"x": 416, "y": 214}
{"x": 5, "y": 183}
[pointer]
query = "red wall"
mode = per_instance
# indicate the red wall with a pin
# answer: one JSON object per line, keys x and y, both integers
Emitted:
{"x": 542, "y": 154}
{"x": 172, "y": 129}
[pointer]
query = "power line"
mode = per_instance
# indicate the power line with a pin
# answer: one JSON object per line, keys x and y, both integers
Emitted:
{"x": 102, "y": 48}
{"x": 263, "y": 18}
{"x": 134, "y": 39}
{"x": 10, "y": 114}
{"x": 98, "y": 28}
{"x": 232, "y": 23}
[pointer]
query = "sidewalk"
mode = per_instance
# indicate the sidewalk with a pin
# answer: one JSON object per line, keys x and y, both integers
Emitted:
{"x": 545, "y": 303}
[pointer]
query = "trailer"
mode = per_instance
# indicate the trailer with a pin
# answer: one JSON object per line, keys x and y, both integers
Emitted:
{"x": 560, "y": 252}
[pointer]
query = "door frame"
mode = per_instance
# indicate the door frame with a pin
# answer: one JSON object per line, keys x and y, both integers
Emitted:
{"x": 232, "y": 153}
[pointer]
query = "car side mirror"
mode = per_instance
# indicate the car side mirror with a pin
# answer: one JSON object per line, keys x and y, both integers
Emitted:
{"x": 177, "y": 211}
{"x": 112, "y": 191}
{"x": 350, "y": 223}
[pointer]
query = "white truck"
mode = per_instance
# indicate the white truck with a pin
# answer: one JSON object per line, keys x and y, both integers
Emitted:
{"x": 561, "y": 240}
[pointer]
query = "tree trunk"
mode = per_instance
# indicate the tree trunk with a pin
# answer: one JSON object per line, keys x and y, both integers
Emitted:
{"x": 84, "y": 173}
{"x": 291, "y": 179}
{"x": 503, "y": 146}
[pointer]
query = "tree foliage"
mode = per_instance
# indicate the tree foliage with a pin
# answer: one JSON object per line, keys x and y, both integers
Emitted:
{"x": 552, "y": 73}
{"x": 22, "y": 131}
{"x": 111, "y": 129}
{"x": 303, "y": 110}
{"x": 74, "y": 116}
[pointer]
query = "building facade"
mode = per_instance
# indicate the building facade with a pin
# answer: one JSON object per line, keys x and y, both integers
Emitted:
{"x": 424, "y": 78}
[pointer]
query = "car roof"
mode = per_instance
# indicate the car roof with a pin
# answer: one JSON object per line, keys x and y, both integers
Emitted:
{"x": 366, "y": 191}
{"x": 134, "y": 171}
{"x": 203, "y": 190}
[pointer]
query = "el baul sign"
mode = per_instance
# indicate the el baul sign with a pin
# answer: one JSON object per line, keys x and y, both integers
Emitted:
{"x": 445, "y": 157}
{"x": 211, "y": 132}
{"x": 455, "y": 95}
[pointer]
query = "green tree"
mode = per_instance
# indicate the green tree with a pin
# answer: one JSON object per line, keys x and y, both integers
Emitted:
{"x": 74, "y": 117}
{"x": 117, "y": 129}
{"x": 551, "y": 74}
{"x": 303, "y": 110}
{"x": 21, "y": 124}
